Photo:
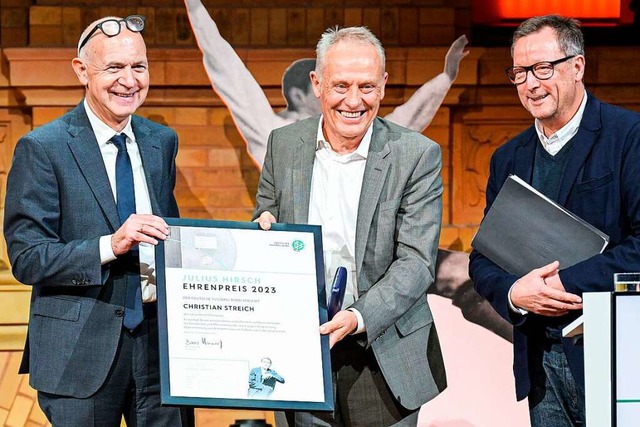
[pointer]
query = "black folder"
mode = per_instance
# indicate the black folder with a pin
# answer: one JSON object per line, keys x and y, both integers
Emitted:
{"x": 524, "y": 230}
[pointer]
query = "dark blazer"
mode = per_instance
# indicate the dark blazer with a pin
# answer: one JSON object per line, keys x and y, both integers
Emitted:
{"x": 602, "y": 186}
{"x": 397, "y": 231}
{"x": 59, "y": 202}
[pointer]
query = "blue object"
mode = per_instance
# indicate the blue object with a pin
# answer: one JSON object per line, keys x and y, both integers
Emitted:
{"x": 336, "y": 295}
{"x": 126, "y": 206}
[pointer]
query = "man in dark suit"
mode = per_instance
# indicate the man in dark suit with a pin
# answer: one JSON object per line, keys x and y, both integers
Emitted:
{"x": 375, "y": 188}
{"x": 585, "y": 155}
{"x": 262, "y": 380}
{"x": 85, "y": 196}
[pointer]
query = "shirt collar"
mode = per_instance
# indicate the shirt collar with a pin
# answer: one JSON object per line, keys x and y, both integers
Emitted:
{"x": 361, "y": 152}
{"x": 102, "y": 131}
{"x": 564, "y": 134}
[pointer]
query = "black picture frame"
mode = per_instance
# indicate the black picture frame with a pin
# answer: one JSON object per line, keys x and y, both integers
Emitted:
{"x": 171, "y": 259}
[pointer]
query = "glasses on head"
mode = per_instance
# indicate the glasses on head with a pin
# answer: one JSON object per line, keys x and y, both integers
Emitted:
{"x": 540, "y": 70}
{"x": 111, "y": 27}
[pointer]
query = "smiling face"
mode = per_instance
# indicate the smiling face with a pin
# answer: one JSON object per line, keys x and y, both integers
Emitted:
{"x": 556, "y": 100}
{"x": 350, "y": 90}
{"x": 114, "y": 71}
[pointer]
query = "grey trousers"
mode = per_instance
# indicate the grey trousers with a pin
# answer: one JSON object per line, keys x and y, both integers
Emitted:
{"x": 362, "y": 397}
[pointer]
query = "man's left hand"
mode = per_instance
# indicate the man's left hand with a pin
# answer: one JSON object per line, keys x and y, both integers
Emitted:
{"x": 138, "y": 228}
{"x": 343, "y": 323}
{"x": 265, "y": 220}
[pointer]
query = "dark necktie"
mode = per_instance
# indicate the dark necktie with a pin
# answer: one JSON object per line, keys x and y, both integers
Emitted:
{"x": 126, "y": 206}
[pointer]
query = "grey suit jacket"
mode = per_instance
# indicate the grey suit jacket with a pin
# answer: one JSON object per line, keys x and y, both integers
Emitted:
{"x": 397, "y": 232}
{"x": 58, "y": 204}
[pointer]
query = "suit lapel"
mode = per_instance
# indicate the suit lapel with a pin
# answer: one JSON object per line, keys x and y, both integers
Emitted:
{"x": 374, "y": 180}
{"x": 303, "y": 158}
{"x": 583, "y": 142}
{"x": 86, "y": 152}
{"x": 524, "y": 157}
{"x": 150, "y": 154}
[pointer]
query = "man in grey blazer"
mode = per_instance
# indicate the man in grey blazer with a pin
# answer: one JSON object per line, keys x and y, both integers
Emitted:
{"x": 375, "y": 188}
{"x": 69, "y": 239}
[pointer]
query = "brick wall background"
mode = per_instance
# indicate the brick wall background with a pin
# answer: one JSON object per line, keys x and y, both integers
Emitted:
{"x": 255, "y": 23}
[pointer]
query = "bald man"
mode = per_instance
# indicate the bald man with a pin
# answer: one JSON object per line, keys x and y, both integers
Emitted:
{"x": 82, "y": 236}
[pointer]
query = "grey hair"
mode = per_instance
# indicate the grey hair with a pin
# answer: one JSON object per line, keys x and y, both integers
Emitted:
{"x": 568, "y": 33}
{"x": 335, "y": 35}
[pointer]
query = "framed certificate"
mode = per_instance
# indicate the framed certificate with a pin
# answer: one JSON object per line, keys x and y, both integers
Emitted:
{"x": 238, "y": 314}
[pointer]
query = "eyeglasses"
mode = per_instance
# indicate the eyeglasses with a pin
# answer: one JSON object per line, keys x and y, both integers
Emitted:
{"x": 540, "y": 70}
{"x": 111, "y": 27}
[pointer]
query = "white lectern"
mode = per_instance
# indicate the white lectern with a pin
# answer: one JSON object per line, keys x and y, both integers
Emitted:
{"x": 611, "y": 327}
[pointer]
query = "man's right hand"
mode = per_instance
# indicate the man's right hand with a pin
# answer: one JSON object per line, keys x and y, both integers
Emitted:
{"x": 265, "y": 220}
{"x": 531, "y": 293}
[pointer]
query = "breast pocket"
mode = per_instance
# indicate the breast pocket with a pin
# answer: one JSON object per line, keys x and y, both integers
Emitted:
{"x": 595, "y": 183}
{"x": 383, "y": 228}
{"x": 595, "y": 200}
{"x": 387, "y": 213}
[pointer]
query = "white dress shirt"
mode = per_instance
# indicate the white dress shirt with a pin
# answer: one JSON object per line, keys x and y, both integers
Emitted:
{"x": 554, "y": 143}
{"x": 109, "y": 151}
{"x": 335, "y": 194}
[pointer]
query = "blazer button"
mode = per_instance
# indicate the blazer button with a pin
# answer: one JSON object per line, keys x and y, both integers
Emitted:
{"x": 119, "y": 312}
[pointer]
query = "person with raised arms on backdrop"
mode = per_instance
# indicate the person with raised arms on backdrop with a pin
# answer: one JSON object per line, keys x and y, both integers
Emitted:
{"x": 250, "y": 107}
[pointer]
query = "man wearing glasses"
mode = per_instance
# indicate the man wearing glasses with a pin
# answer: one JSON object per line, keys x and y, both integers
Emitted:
{"x": 585, "y": 155}
{"x": 85, "y": 197}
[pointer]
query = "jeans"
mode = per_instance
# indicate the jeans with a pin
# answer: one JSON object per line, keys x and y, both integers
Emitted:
{"x": 562, "y": 403}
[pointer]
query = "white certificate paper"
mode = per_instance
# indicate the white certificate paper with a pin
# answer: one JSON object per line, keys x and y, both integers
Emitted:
{"x": 239, "y": 315}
